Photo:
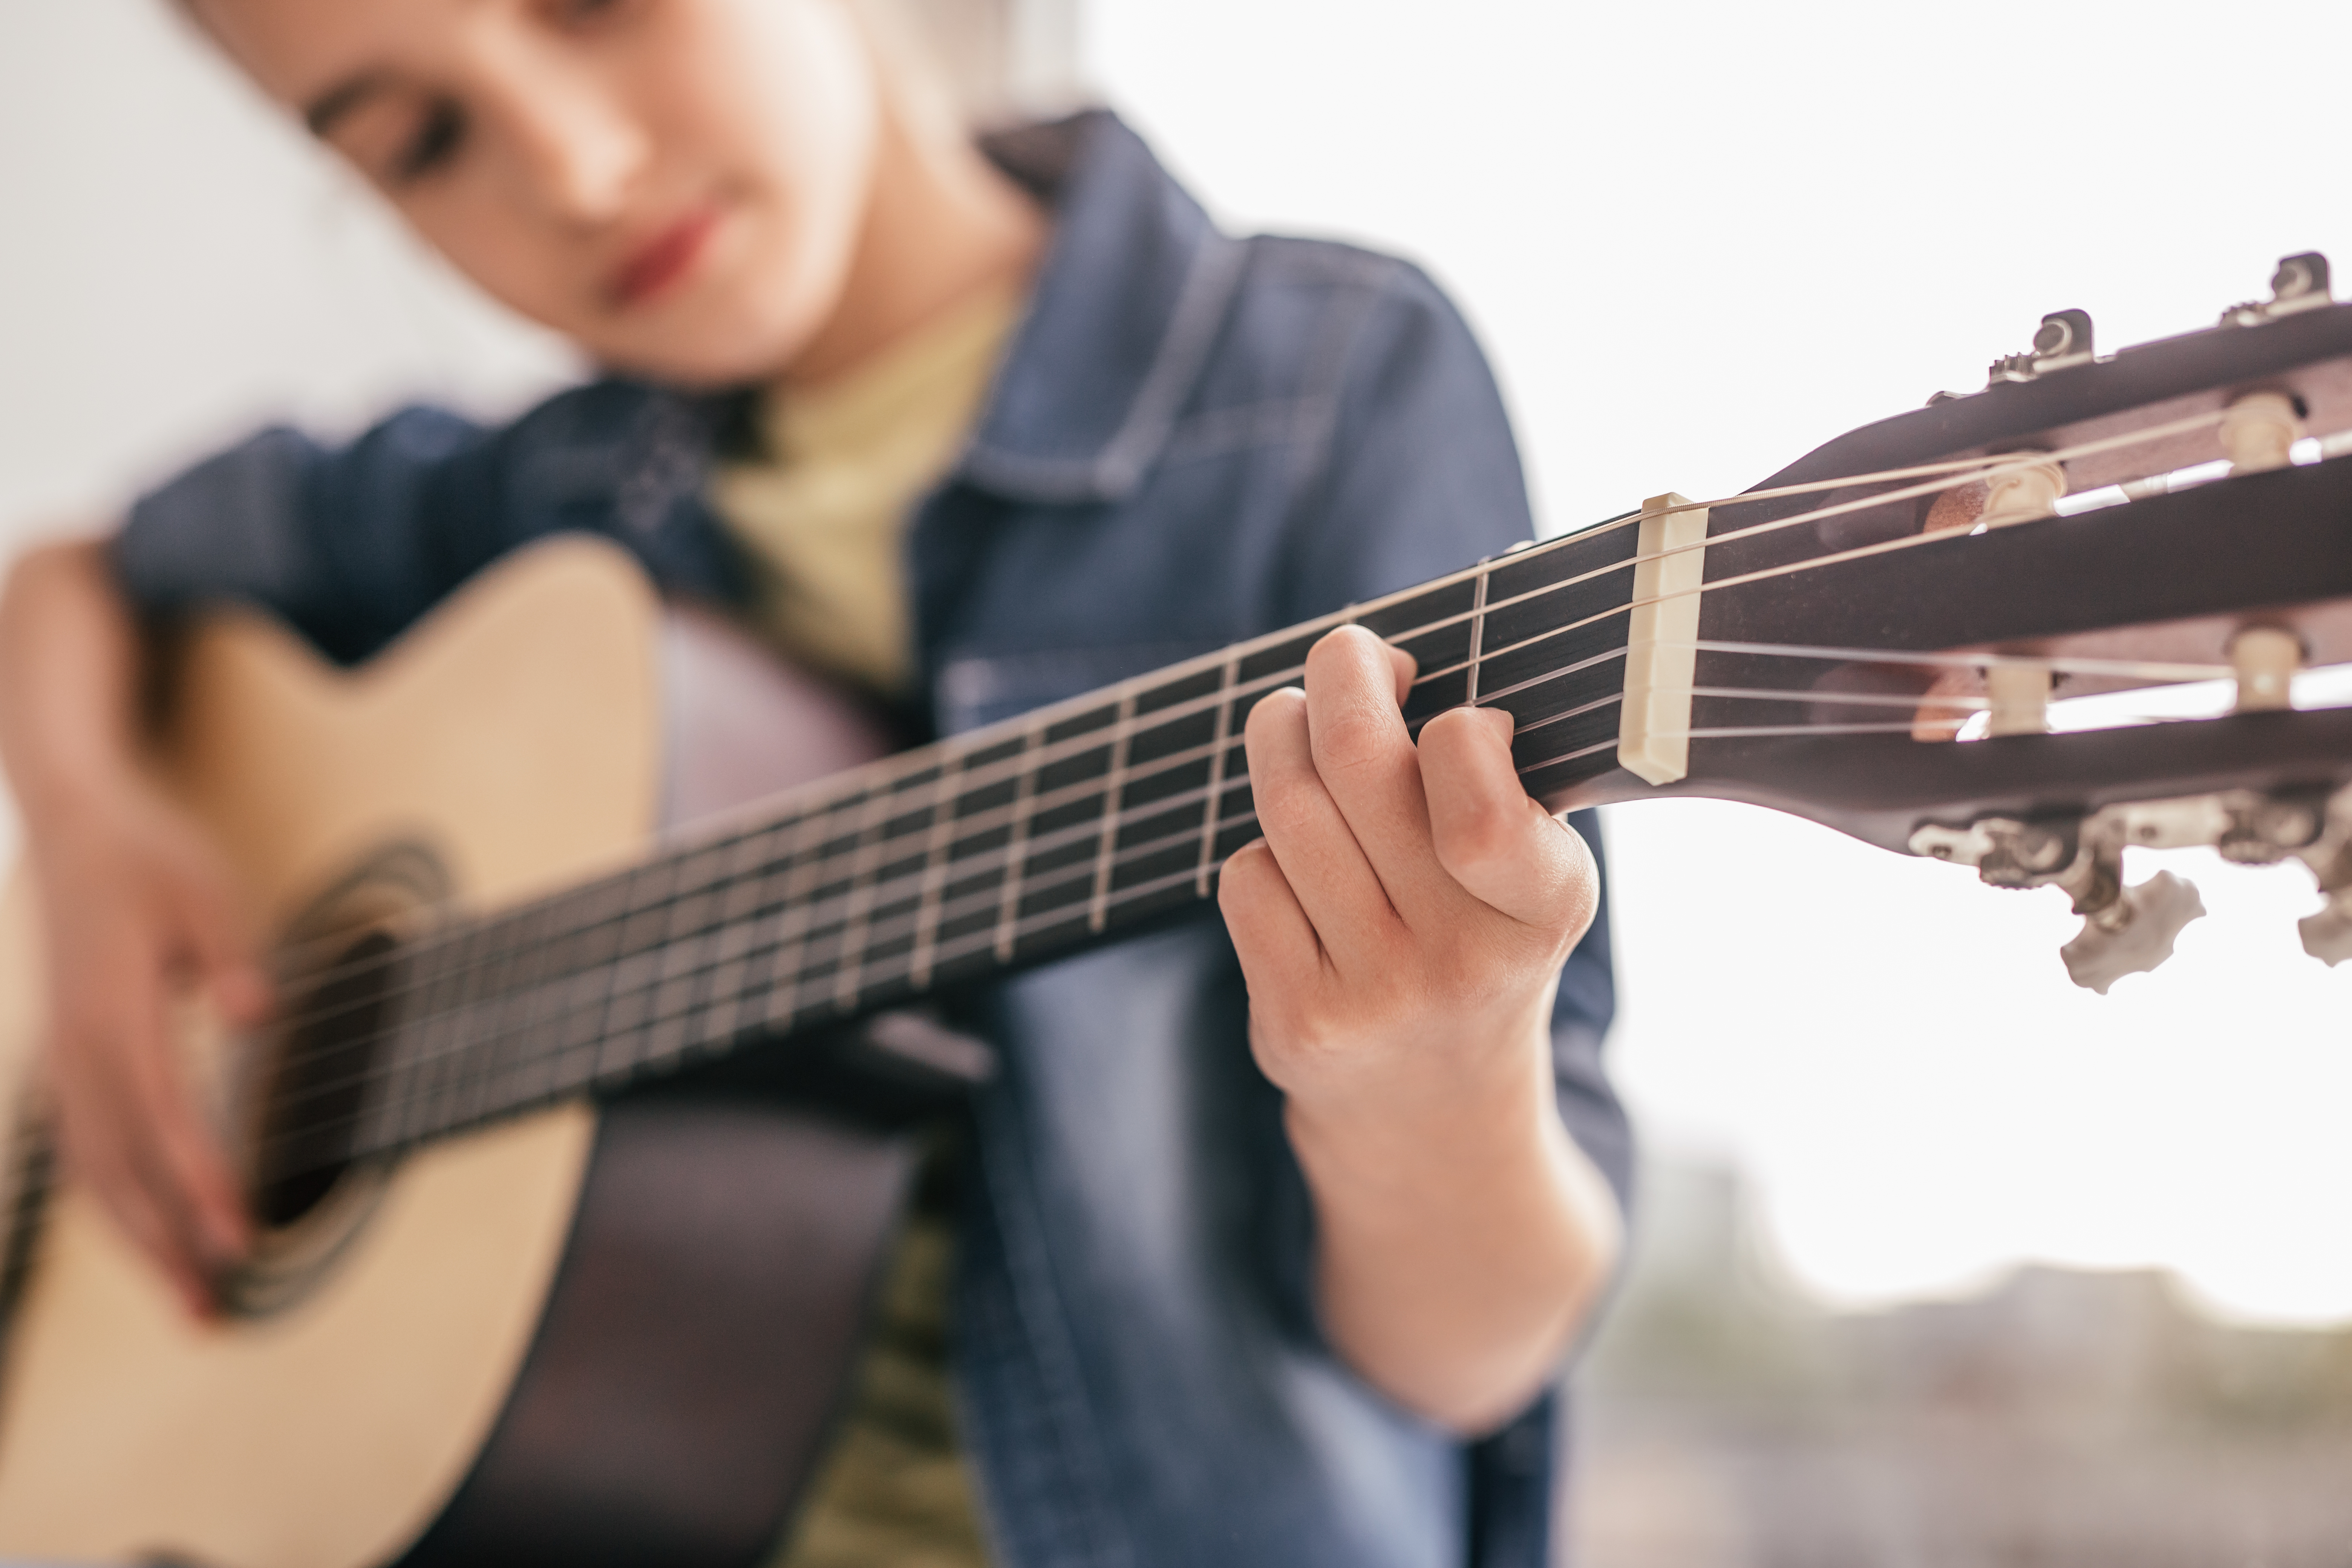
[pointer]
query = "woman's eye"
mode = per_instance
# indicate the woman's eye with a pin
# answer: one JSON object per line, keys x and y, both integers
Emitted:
{"x": 437, "y": 141}
{"x": 573, "y": 12}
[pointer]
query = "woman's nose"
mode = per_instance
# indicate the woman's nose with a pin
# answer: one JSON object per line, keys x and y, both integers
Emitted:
{"x": 582, "y": 148}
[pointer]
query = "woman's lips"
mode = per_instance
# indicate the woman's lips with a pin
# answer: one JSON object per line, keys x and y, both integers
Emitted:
{"x": 666, "y": 258}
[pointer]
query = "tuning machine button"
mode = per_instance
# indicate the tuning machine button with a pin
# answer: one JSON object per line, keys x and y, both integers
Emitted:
{"x": 2126, "y": 931}
{"x": 2299, "y": 284}
{"x": 2133, "y": 933}
{"x": 2063, "y": 339}
{"x": 2327, "y": 935}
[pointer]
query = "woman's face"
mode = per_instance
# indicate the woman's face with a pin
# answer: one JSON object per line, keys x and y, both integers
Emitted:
{"x": 679, "y": 186}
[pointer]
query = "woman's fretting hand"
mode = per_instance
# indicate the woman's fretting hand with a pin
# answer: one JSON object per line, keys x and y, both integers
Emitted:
{"x": 1401, "y": 927}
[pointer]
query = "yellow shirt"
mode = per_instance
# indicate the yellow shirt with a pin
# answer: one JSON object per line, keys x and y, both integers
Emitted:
{"x": 823, "y": 515}
{"x": 825, "y": 510}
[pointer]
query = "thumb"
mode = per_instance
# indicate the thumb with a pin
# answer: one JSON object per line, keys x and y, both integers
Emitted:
{"x": 217, "y": 937}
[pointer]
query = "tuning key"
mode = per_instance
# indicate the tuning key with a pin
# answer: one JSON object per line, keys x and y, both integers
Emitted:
{"x": 2134, "y": 933}
{"x": 2063, "y": 341}
{"x": 2301, "y": 283}
{"x": 2327, "y": 935}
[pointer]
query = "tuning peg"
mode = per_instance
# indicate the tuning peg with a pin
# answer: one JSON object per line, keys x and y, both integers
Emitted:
{"x": 2327, "y": 935}
{"x": 2133, "y": 934}
{"x": 2300, "y": 284}
{"x": 2064, "y": 340}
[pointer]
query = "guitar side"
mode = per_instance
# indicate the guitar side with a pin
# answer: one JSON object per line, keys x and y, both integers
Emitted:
{"x": 517, "y": 733}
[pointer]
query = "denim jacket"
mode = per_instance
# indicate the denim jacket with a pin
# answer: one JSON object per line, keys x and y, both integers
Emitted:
{"x": 1194, "y": 438}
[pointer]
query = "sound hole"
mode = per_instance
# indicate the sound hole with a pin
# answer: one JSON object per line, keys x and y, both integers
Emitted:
{"x": 311, "y": 1112}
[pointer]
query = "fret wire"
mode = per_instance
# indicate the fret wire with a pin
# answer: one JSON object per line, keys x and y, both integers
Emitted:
{"x": 582, "y": 1013}
{"x": 665, "y": 966}
{"x": 491, "y": 1009}
{"x": 381, "y": 1126}
{"x": 541, "y": 960}
{"x": 423, "y": 1019}
{"x": 935, "y": 862}
{"x": 670, "y": 989}
{"x": 533, "y": 1055}
{"x": 449, "y": 1039}
{"x": 569, "y": 962}
{"x": 731, "y": 937}
{"x": 580, "y": 1016}
{"x": 1477, "y": 631}
{"x": 760, "y": 867}
{"x": 613, "y": 1046}
{"x": 807, "y": 860}
{"x": 1114, "y": 785}
{"x": 1024, "y": 788}
{"x": 669, "y": 974}
{"x": 696, "y": 1023}
{"x": 624, "y": 999}
{"x": 1220, "y": 742}
{"x": 861, "y": 899}
{"x": 688, "y": 959}
{"x": 772, "y": 901}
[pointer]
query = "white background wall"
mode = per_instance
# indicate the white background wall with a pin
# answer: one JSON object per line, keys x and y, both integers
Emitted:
{"x": 1698, "y": 240}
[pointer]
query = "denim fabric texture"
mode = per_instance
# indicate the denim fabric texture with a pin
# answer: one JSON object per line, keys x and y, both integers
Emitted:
{"x": 1195, "y": 439}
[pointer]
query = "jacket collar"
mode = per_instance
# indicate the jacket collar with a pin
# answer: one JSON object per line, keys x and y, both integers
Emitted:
{"x": 1134, "y": 288}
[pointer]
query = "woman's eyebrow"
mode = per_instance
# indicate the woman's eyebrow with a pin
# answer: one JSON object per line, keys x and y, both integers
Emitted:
{"x": 337, "y": 101}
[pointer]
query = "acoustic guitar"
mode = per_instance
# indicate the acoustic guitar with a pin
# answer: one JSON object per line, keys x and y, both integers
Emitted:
{"x": 523, "y": 1294}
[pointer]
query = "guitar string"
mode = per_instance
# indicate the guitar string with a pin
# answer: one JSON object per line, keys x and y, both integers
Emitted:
{"x": 1164, "y": 804}
{"x": 1961, "y": 472}
{"x": 885, "y": 894}
{"x": 963, "y": 867}
{"x": 1063, "y": 915}
{"x": 1167, "y": 803}
{"x": 1072, "y": 914}
{"x": 856, "y": 794}
{"x": 1085, "y": 789}
{"x": 1971, "y": 471}
{"x": 901, "y": 923}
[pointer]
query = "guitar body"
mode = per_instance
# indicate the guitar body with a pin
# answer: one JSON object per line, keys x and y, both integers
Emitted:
{"x": 574, "y": 1336}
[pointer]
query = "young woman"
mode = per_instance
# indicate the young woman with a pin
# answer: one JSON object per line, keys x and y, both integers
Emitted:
{"x": 1275, "y": 1232}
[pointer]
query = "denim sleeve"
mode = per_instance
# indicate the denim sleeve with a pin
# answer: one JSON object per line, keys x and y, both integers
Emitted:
{"x": 1425, "y": 479}
{"x": 351, "y": 545}
{"x": 341, "y": 544}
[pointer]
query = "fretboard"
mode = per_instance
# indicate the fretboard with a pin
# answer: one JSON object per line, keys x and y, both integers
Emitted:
{"x": 995, "y": 849}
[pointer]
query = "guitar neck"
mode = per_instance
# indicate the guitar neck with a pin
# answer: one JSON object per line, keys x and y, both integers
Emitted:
{"x": 989, "y": 851}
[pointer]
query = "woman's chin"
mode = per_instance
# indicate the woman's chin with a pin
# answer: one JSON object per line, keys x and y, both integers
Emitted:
{"x": 701, "y": 355}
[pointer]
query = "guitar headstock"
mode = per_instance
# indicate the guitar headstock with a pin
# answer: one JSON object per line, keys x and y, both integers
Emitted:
{"x": 2093, "y": 605}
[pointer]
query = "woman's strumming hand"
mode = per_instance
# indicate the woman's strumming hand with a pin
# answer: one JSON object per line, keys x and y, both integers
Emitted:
{"x": 139, "y": 913}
